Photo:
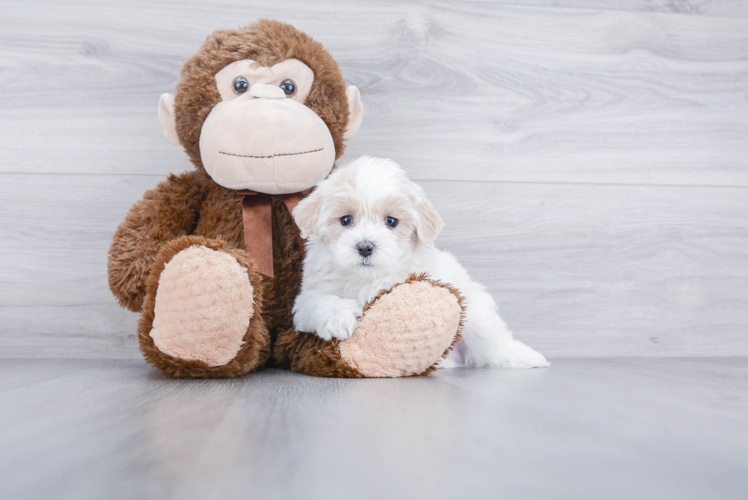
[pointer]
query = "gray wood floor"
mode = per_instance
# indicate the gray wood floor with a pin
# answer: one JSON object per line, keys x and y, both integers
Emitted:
{"x": 609, "y": 429}
{"x": 590, "y": 157}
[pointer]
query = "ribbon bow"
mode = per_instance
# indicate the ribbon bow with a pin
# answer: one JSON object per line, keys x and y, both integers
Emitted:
{"x": 257, "y": 215}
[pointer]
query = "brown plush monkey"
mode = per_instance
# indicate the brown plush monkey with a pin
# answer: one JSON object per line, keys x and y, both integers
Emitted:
{"x": 212, "y": 259}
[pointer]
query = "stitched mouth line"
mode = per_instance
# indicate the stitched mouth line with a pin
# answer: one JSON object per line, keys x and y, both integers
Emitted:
{"x": 272, "y": 156}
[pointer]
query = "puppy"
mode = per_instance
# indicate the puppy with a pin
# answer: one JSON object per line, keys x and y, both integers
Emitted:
{"x": 368, "y": 228}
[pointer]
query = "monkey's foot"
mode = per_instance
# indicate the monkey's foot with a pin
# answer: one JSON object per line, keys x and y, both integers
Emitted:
{"x": 201, "y": 316}
{"x": 404, "y": 331}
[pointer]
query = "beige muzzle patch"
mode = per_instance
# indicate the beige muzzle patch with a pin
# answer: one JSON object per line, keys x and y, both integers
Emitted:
{"x": 268, "y": 145}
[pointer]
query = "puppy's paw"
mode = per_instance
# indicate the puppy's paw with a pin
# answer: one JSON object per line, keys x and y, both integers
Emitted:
{"x": 340, "y": 320}
{"x": 518, "y": 355}
{"x": 369, "y": 292}
{"x": 446, "y": 364}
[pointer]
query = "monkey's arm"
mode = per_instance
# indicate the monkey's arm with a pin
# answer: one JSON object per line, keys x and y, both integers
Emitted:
{"x": 165, "y": 213}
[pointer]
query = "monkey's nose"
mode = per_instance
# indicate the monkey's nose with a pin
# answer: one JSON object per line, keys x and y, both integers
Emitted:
{"x": 266, "y": 91}
{"x": 365, "y": 248}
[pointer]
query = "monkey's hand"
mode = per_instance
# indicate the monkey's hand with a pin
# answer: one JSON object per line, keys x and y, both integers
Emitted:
{"x": 164, "y": 214}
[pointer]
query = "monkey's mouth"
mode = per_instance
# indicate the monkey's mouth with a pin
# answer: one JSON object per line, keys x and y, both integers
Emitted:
{"x": 272, "y": 156}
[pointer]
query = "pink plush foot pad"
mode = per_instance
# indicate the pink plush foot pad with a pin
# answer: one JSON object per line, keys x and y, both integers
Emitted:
{"x": 405, "y": 331}
{"x": 203, "y": 307}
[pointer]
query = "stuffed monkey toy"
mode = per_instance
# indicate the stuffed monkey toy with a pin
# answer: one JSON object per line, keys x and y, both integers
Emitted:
{"x": 211, "y": 258}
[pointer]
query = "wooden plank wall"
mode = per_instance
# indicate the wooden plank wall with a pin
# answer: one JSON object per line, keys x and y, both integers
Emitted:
{"x": 590, "y": 157}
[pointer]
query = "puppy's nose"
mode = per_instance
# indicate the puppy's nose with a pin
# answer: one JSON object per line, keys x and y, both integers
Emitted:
{"x": 365, "y": 248}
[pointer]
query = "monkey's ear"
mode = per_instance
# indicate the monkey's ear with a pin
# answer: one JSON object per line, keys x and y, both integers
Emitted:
{"x": 166, "y": 115}
{"x": 430, "y": 223}
{"x": 307, "y": 214}
{"x": 356, "y": 109}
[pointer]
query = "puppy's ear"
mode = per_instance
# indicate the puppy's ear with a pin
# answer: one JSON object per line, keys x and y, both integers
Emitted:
{"x": 430, "y": 223}
{"x": 307, "y": 214}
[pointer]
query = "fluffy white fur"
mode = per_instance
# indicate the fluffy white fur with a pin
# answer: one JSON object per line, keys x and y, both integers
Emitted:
{"x": 338, "y": 281}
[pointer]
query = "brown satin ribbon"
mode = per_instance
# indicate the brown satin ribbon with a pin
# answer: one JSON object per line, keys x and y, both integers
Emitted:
{"x": 257, "y": 215}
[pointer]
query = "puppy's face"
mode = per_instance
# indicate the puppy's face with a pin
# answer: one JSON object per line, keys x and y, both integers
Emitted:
{"x": 370, "y": 216}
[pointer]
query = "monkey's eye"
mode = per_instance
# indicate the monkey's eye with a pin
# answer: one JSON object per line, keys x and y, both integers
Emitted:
{"x": 289, "y": 87}
{"x": 391, "y": 221}
{"x": 241, "y": 85}
{"x": 346, "y": 220}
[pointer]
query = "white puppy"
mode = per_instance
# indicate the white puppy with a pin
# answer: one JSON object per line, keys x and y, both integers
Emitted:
{"x": 368, "y": 228}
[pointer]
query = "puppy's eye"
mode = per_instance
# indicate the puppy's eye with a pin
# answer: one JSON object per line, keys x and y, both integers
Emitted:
{"x": 346, "y": 220}
{"x": 240, "y": 85}
{"x": 391, "y": 221}
{"x": 289, "y": 87}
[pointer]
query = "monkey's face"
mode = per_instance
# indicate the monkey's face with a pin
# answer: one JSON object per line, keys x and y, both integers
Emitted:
{"x": 275, "y": 127}
{"x": 261, "y": 136}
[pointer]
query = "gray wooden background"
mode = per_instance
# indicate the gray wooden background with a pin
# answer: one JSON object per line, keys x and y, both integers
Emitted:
{"x": 590, "y": 157}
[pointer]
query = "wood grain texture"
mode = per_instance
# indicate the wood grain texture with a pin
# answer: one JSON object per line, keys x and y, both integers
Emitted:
{"x": 613, "y": 429}
{"x": 468, "y": 91}
{"x": 591, "y": 164}
{"x": 16, "y": 373}
{"x": 698, "y": 7}
{"x": 578, "y": 270}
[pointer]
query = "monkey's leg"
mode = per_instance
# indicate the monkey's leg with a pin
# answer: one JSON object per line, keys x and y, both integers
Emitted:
{"x": 202, "y": 315}
{"x": 405, "y": 331}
